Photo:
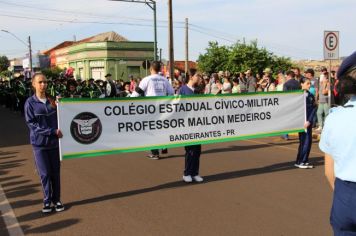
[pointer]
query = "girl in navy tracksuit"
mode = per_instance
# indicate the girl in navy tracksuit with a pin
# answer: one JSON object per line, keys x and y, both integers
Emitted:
{"x": 306, "y": 138}
{"x": 192, "y": 152}
{"x": 41, "y": 118}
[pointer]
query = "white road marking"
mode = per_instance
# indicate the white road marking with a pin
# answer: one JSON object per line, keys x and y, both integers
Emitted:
{"x": 12, "y": 225}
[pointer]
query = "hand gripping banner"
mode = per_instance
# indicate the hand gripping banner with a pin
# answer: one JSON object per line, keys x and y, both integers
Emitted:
{"x": 96, "y": 127}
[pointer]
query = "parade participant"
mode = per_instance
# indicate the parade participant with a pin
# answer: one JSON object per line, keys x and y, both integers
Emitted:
{"x": 332, "y": 81}
{"x": 323, "y": 99}
{"x": 338, "y": 143}
{"x": 226, "y": 86}
{"x": 133, "y": 84}
{"x": 291, "y": 83}
{"x": 298, "y": 75}
{"x": 236, "y": 87}
{"x": 251, "y": 82}
{"x": 266, "y": 84}
{"x": 270, "y": 86}
{"x": 207, "y": 89}
{"x": 309, "y": 73}
{"x": 192, "y": 152}
{"x": 72, "y": 91}
{"x": 176, "y": 85}
{"x": 126, "y": 92}
{"x": 41, "y": 118}
{"x": 280, "y": 81}
{"x": 215, "y": 85}
{"x": 59, "y": 88}
{"x": 200, "y": 87}
{"x": 306, "y": 138}
{"x": 243, "y": 83}
{"x": 154, "y": 85}
{"x": 110, "y": 87}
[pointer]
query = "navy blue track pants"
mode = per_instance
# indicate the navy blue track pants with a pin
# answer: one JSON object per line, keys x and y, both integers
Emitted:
{"x": 305, "y": 143}
{"x": 343, "y": 212}
{"x": 192, "y": 160}
{"x": 48, "y": 168}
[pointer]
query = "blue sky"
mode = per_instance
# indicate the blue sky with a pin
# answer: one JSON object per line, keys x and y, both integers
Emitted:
{"x": 287, "y": 28}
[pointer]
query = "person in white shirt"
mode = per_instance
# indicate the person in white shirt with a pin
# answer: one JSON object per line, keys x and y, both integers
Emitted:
{"x": 337, "y": 141}
{"x": 152, "y": 86}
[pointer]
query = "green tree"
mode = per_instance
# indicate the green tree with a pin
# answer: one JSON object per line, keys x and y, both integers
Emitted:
{"x": 240, "y": 57}
{"x": 4, "y": 63}
{"x": 215, "y": 59}
{"x": 5, "y": 74}
{"x": 52, "y": 72}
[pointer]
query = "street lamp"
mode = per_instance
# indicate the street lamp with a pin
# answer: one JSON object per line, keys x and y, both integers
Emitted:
{"x": 152, "y": 5}
{"x": 26, "y": 44}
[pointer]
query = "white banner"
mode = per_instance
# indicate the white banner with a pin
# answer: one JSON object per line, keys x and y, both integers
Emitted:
{"x": 93, "y": 127}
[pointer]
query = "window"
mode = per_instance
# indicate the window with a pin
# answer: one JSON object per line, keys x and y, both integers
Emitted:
{"x": 97, "y": 73}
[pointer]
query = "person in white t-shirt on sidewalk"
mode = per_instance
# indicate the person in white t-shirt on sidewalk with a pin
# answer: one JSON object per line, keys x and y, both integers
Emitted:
{"x": 152, "y": 86}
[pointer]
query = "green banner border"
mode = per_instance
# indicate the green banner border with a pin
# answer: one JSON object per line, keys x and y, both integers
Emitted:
{"x": 93, "y": 100}
{"x": 211, "y": 141}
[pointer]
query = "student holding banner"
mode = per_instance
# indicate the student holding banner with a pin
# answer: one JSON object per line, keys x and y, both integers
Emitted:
{"x": 306, "y": 138}
{"x": 41, "y": 118}
{"x": 152, "y": 86}
{"x": 192, "y": 152}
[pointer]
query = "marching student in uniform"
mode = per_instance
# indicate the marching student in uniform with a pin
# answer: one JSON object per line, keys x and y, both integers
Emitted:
{"x": 338, "y": 142}
{"x": 41, "y": 118}
{"x": 110, "y": 87}
{"x": 192, "y": 152}
{"x": 151, "y": 86}
{"x": 306, "y": 138}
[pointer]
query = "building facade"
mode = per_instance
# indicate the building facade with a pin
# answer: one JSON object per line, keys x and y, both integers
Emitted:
{"x": 102, "y": 54}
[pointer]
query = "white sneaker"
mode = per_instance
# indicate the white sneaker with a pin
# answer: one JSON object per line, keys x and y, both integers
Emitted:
{"x": 198, "y": 179}
{"x": 309, "y": 165}
{"x": 302, "y": 166}
{"x": 187, "y": 178}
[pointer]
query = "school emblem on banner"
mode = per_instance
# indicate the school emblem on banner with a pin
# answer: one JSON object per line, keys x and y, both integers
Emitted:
{"x": 86, "y": 128}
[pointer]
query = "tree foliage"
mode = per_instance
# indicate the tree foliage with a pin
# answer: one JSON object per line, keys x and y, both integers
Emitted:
{"x": 240, "y": 57}
{"x": 52, "y": 72}
{"x": 4, "y": 63}
{"x": 5, "y": 74}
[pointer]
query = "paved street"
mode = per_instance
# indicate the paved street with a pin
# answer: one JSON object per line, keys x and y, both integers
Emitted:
{"x": 251, "y": 188}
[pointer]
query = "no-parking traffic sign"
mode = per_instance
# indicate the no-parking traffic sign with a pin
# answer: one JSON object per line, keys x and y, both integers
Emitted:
{"x": 331, "y": 45}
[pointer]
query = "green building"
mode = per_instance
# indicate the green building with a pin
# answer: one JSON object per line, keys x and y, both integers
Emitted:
{"x": 105, "y": 53}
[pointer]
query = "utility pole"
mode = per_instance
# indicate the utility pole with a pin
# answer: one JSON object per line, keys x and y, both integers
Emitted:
{"x": 186, "y": 46}
{"x": 160, "y": 54}
{"x": 170, "y": 40}
{"x": 29, "y": 47}
{"x": 151, "y": 4}
{"x": 154, "y": 8}
{"x": 329, "y": 93}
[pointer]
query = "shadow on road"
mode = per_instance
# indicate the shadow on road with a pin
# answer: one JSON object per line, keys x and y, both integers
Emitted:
{"x": 50, "y": 227}
{"x": 208, "y": 179}
{"x": 12, "y": 124}
{"x": 236, "y": 148}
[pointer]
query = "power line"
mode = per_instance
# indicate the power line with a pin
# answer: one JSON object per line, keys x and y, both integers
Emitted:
{"x": 88, "y": 14}
{"x": 200, "y": 29}
{"x": 229, "y": 40}
{"x": 83, "y": 22}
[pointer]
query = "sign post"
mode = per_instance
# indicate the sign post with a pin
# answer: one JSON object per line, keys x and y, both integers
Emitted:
{"x": 331, "y": 45}
{"x": 331, "y": 51}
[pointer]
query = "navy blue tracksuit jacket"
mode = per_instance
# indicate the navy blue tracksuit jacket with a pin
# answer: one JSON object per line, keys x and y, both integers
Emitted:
{"x": 306, "y": 138}
{"x": 41, "y": 118}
